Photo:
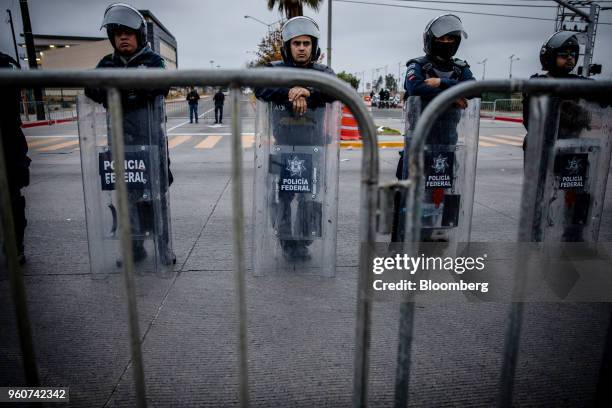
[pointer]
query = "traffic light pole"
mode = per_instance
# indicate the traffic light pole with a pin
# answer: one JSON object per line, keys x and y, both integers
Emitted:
{"x": 590, "y": 40}
{"x": 29, "y": 40}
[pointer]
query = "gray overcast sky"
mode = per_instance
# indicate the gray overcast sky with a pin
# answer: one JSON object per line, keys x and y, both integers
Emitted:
{"x": 364, "y": 36}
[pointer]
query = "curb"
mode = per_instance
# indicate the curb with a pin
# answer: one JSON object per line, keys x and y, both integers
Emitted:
{"x": 503, "y": 118}
{"x": 46, "y": 122}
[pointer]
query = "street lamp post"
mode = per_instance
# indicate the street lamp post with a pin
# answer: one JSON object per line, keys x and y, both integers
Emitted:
{"x": 512, "y": 59}
{"x": 263, "y": 22}
{"x": 484, "y": 68}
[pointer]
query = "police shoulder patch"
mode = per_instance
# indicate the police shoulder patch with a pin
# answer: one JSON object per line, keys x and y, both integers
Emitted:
{"x": 461, "y": 63}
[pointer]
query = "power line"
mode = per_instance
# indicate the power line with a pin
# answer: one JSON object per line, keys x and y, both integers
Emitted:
{"x": 438, "y": 9}
{"x": 450, "y": 11}
{"x": 479, "y": 4}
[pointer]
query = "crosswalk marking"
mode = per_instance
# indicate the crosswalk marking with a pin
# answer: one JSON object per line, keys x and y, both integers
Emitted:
{"x": 43, "y": 141}
{"x": 57, "y": 142}
{"x": 58, "y": 146}
{"x": 209, "y": 142}
{"x": 509, "y": 137}
{"x": 177, "y": 140}
{"x": 248, "y": 141}
{"x": 500, "y": 141}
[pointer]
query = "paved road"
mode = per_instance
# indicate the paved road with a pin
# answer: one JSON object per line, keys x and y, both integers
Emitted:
{"x": 301, "y": 328}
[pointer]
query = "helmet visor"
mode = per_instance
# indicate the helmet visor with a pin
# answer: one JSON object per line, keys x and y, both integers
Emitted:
{"x": 299, "y": 26}
{"x": 560, "y": 38}
{"x": 447, "y": 24}
{"x": 122, "y": 15}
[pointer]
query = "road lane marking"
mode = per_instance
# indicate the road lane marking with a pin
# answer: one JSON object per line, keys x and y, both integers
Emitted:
{"x": 58, "y": 146}
{"x": 177, "y": 140}
{"x": 500, "y": 141}
{"x": 248, "y": 141}
{"x": 44, "y": 141}
{"x": 510, "y": 137}
{"x": 486, "y": 144}
{"x": 184, "y": 123}
{"x": 209, "y": 142}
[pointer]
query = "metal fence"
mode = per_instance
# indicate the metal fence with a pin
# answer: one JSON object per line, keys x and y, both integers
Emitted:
{"x": 53, "y": 111}
{"x": 540, "y": 109}
{"x": 122, "y": 79}
{"x": 502, "y": 107}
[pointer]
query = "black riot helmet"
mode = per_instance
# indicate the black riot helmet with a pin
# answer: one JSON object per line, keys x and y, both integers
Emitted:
{"x": 447, "y": 24}
{"x": 559, "y": 41}
{"x": 295, "y": 27}
{"x": 121, "y": 15}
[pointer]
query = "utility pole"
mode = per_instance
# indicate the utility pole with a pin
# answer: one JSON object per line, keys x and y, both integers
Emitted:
{"x": 10, "y": 17}
{"x": 590, "y": 39}
{"x": 29, "y": 40}
{"x": 484, "y": 68}
{"x": 572, "y": 16}
{"x": 329, "y": 32}
{"x": 512, "y": 59}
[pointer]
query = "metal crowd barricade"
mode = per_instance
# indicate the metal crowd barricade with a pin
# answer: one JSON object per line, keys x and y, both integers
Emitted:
{"x": 114, "y": 81}
{"x": 530, "y": 210}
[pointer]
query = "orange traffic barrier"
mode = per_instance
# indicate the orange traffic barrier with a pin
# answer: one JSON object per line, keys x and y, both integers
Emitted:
{"x": 368, "y": 102}
{"x": 349, "y": 129}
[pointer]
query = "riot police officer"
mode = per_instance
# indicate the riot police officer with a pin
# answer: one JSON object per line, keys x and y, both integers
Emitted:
{"x": 569, "y": 208}
{"x": 558, "y": 57}
{"x": 300, "y": 36}
{"x": 126, "y": 30}
{"x": 426, "y": 77}
{"x": 437, "y": 71}
{"x": 15, "y": 152}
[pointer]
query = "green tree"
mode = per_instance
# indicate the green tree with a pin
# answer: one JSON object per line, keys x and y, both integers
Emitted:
{"x": 269, "y": 49}
{"x": 293, "y": 8}
{"x": 350, "y": 78}
{"x": 391, "y": 83}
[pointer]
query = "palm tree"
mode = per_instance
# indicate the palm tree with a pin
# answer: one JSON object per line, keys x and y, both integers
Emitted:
{"x": 293, "y": 8}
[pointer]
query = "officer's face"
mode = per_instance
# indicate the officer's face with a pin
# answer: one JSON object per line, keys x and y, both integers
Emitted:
{"x": 446, "y": 39}
{"x": 301, "y": 49}
{"x": 126, "y": 41}
{"x": 566, "y": 59}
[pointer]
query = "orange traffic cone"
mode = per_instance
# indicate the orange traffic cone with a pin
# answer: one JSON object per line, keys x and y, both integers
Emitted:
{"x": 349, "y": 129}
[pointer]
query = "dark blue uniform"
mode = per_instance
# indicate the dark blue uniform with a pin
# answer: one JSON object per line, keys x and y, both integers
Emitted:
{"x": 571, "y": 114}
{"x": 291, "y": 131}
{"x": 444, "y": 131}
{"x": 15, "y": 152}
{"x": 138, "y": 130}
{"x": 281, "y": 95}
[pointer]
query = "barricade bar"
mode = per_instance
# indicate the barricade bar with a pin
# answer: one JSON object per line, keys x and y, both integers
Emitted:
{"x": 239, "y": 265}
{"x": 118, "y": 148}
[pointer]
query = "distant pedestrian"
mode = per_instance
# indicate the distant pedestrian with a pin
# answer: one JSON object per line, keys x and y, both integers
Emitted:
{"x": 219, "y": 99}
{"x": 15, "y": 154}
{"x": 193, "y": 99}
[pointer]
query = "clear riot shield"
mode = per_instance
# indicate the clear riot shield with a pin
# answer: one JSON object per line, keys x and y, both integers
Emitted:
{"x": 147, "y": 179}
{"x": 578, "y": 172}
{"x": 449, "y": 168}
{"x": 295, "y": 190}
